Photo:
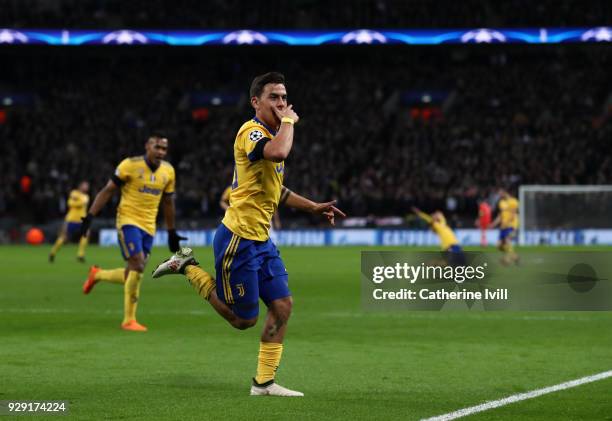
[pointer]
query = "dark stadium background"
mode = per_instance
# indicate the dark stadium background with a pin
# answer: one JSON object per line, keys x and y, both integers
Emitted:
{"x": 384, "y": 128}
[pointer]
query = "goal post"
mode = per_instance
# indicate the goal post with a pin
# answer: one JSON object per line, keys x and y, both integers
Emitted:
{"x": 563, "y": 210}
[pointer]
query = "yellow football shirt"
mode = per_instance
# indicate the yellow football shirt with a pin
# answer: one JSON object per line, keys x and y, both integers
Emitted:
{"x": 441, "y": 228}
{"x": 256, "y": 186}
{"x": 141, "y": 192}
{"x": 508, "y": 209}
{"x": 77, "y": 206}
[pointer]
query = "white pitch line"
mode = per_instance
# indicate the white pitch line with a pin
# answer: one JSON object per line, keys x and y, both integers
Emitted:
{"x": 519, "y": 397}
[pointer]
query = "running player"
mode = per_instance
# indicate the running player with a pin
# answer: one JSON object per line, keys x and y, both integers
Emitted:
{"x": 248, "y": 264}
{"x": 144, "y": 182}
{"x": 71, "y": 228}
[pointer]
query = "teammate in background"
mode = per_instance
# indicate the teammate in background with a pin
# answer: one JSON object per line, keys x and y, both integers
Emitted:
{"x": 224, "y": 203}
{"x": 448, "y": 241}
{"x": 483, "y": 221}
{"x": 144, "y": 182}
{"x": 507, "y": 220}
{"x": 71, "y": 228}
{"x": 247, "y": 263}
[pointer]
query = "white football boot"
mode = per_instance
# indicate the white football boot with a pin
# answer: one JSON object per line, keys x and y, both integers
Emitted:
{"x": 272, "y": 389}
{"x": 176, "y": 264}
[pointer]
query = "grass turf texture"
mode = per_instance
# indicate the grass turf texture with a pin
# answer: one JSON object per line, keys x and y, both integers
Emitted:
{"x": 57, "y": 344}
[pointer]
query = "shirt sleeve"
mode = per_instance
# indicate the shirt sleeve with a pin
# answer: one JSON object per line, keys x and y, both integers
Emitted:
{"x": 254, "y": 141}
{"x": 425, "y": 217}
{"x": 170, "y": 185}
{"x": 122, "y": 173}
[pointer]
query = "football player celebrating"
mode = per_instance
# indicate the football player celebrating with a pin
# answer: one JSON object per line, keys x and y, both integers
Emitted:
{"x": 507, "y": 219}
{"x": 247, "y": 263}
{"x": 448, "y": 241}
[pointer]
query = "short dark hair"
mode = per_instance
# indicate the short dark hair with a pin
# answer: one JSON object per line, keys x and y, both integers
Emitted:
{"x": 157, "y": 134}
{"x": 260, "y": 81}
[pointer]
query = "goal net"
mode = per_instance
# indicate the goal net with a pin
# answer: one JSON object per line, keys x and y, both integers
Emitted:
{"x": 571, "y": 215}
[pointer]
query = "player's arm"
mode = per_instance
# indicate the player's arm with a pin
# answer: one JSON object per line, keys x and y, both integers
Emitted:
{"x": 425, "y": 217}
{"x": 169, "y": 216}
{"x": 169, "y": 210}
{"x": 103, "y": 197}
{"x": 224, "y": 201}
{"x": 276, "y": 222}
{"x": 277, "y": 149}
{"x": 98, "y": 204}
{"x": 496, "y": 221}
{"x": 294, "y": 200}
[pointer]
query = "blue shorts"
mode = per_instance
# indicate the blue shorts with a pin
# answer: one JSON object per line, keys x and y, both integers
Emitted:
{"x": 133, "y": 240}
{"x": 248, "y": 270}
{"x": 455, "y": 256}
{"x": 73, "y": 229}
{"x": 506, "y": 233}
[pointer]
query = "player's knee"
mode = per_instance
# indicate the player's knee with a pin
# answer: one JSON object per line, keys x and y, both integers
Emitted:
{"x": 243, "y": 324}
{"x": 136, "y": 264}
{"x": 282, "y": 308}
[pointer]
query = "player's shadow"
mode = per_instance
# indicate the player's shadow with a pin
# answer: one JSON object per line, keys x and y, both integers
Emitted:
{"x": 192, "y": 382}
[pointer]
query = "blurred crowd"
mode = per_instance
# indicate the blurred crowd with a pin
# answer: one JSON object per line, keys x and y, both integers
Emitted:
{"x": 301, "y": 14}
{"x": 505, "y": 117}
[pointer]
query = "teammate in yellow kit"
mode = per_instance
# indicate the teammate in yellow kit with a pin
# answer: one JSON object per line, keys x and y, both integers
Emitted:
{"x": 71, "y": 228}
{"x": 448, "y": 240}
{"x": 247, "y": 263}
{"x": 144, "y": 182}
{"x": 508, "y": 221}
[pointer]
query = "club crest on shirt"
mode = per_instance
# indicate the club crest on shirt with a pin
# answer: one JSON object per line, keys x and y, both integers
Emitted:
{"x": 255, "y": 135}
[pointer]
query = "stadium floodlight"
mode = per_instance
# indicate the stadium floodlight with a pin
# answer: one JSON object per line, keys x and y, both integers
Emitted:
{"x": 549, "y": 210}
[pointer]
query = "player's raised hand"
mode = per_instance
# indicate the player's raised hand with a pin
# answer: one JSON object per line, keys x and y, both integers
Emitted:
{"x": 328, "y": 210}
{"x": 287, "y": 112}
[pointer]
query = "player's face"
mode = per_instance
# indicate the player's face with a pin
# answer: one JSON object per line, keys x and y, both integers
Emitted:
{"x": 273, "y": 96}
{"x": 157, "y": 148}
{"x": 84, "y": 187}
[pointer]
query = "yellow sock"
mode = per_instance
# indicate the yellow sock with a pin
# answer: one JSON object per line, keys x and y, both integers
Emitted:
{"x": 115, "y": 276}
{"x": 268, "y": 361}
{"x": 131, "y": 292}
{"x": 82, "y": 244}
{"x": 58, "y": 243}
{"x": 200, "y": 280}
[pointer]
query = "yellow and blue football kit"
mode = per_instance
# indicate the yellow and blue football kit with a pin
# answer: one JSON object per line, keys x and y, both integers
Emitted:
{"x": 77, "y": 209}
{"x": 142, "y": 186}
{"x": 448, "y": 240}
{"x": 247, "y": 263}
{"x": 508, "y": 209}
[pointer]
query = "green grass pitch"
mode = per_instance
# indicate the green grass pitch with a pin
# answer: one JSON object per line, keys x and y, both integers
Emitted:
{"x": 57, "y": 344}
